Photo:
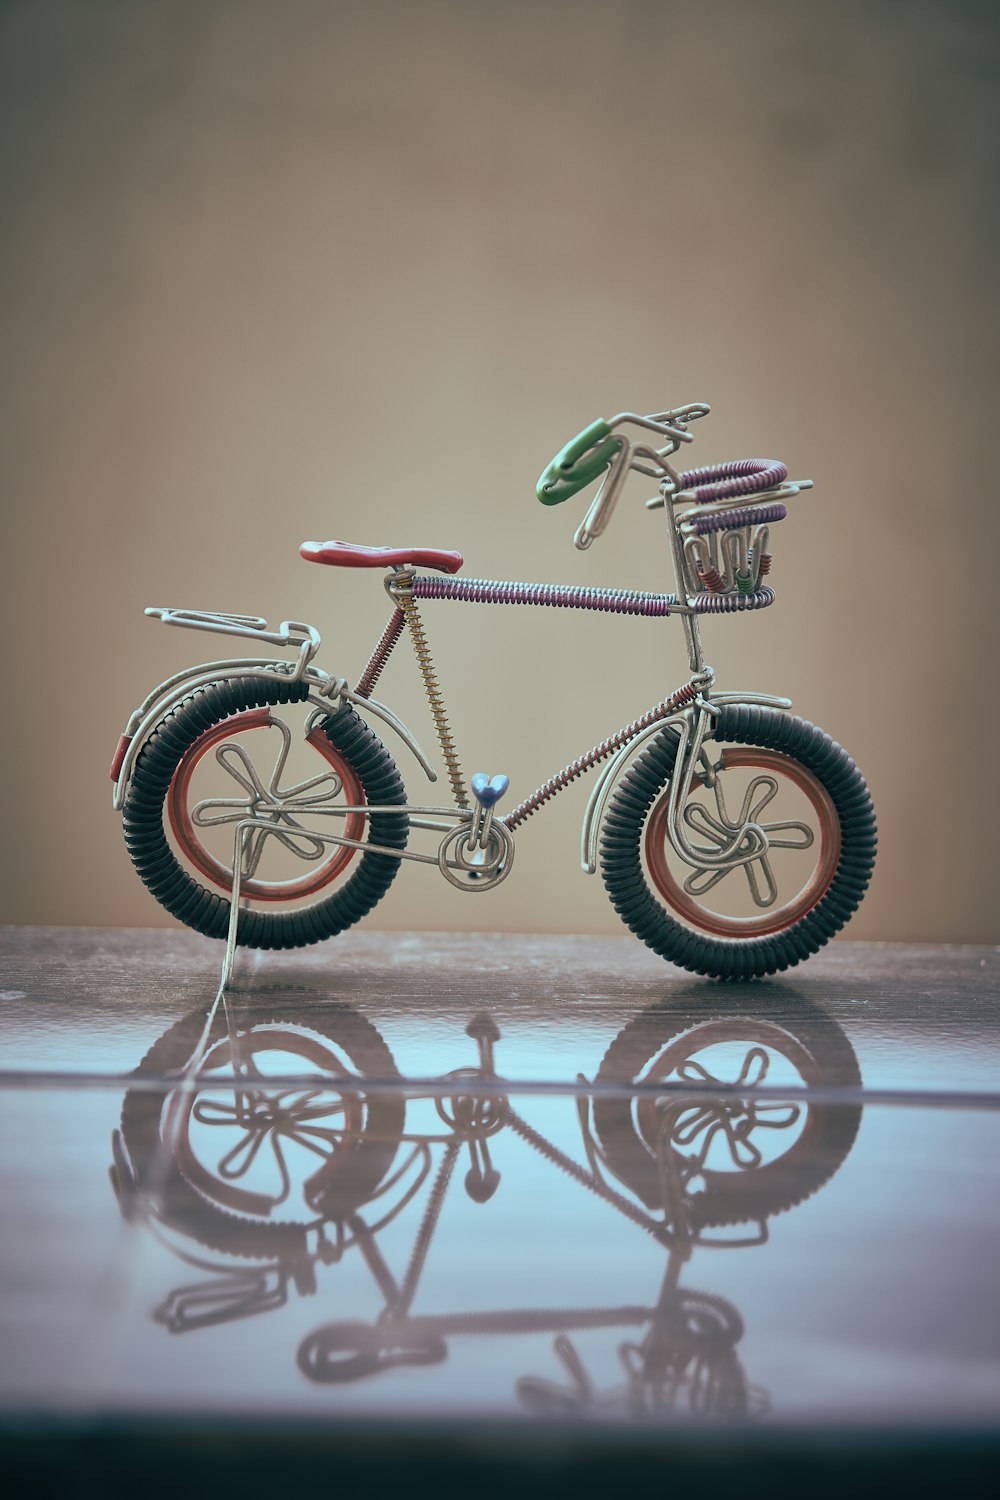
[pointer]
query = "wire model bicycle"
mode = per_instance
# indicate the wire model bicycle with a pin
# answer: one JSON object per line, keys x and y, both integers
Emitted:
{"x": 278, "y": 1160}
{"x": 733, "y": 838}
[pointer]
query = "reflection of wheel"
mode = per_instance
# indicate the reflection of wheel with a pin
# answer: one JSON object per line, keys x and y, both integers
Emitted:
{"x": 224, "y": 754}
{"x": 690, "y": 1351}
{"x": 734, "y": 1161}
{"x": 785, "y": 781}
{"x": 218, "y": 1160}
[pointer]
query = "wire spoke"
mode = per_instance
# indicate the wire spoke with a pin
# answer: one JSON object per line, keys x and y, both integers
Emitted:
{"x": 273, "y": 811}
{"x": 283, "y": 1172}
{"x": 297, "y": 792}
{"x": 303, "y": 1108}
{"x": 806, "y": 842}
{"x": 216, "y": 1112}
{"x": 701, "y": 1125}
{"x": 690, "y": 1124}
{"x": 725, "y": 821}
{"x": 692, "y": 1071}
{"x": 784, "y": 1116}
{"x": 241, "y": 1157}
{"x": 742, "y": 1150}
{"x": 320, "y": 1142}
{"x": 279, "y": 764}
{"x": 752, "y": 809}
{"x": 285, "y": 830}
{"x": 700, "y": 819}
{"x": 702, "y": 880}
{"x": 251, "y": 782}
{"x": 200, "y": 818}
{"x": 723, "y": 828}
{"x": 755, "y": 1067}
{"x": 770, "y": 889}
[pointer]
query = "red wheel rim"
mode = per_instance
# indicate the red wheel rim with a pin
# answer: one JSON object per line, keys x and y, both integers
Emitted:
{"x": 774, "y": 920}
{"x": 221, "y": 875}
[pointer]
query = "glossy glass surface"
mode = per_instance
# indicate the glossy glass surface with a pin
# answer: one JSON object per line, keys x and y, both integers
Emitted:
{"x": 538, "y": 1180}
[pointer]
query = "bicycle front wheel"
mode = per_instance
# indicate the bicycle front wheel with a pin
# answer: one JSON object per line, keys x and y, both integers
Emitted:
{"x": 242, "y": 748}
{"x": 796, "y": 785}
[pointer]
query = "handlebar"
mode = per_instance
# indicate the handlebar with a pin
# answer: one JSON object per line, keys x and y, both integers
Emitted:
{"x": 599, "y": 447}
{"x": 582, "y": 459}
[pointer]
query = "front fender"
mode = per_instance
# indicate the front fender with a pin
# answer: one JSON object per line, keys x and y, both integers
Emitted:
{"x": 609, "y": 777}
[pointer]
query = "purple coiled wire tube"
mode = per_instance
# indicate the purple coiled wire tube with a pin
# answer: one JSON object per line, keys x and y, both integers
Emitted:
{"x": 732, "y": 520}
{"x": 556, "y": 595}
{"x": 741, "y": 476}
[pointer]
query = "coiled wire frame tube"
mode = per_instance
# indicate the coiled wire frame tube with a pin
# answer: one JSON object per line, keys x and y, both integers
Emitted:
{"x": 617, "y": 601}
{"x": 431, "y": 687}
{"x": 381, "y": 654}
{"x": 614, "y": 601}
{"x": 576, "y": 768}
{"x": 556, "y": 595}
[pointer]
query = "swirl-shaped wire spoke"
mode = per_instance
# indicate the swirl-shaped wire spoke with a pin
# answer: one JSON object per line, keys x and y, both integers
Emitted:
{"x": 271, "y": 805}
{"x": 734, "y": 1122}
{"x": 721, "y": 830}
{"x": 272, "y": 1119}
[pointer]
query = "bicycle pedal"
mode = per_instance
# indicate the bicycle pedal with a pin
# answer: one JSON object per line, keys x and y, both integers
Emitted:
{"x": 488, "y": 790}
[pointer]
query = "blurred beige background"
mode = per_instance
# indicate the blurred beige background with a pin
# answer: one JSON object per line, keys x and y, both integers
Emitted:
{"x": 276, "y": 271}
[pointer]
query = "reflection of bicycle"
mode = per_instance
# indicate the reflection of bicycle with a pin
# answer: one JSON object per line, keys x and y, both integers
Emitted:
{"x": 279, "y": 1177}
{"x": 253, "y": 1168}
{"x": 735, "y": 844}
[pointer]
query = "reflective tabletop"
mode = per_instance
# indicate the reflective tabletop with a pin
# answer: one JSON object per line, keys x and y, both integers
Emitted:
{"x": 550, "y": 1184}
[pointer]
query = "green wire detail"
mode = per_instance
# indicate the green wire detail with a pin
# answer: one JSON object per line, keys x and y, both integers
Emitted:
{"x": 581, "y": 461}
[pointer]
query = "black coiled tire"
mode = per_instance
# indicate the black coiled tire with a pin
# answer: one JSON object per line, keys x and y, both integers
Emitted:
{"x": 208, "y": 912}
{"x": 739, "y": 958}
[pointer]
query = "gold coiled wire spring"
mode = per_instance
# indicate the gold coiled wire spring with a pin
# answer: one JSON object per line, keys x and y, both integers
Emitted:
{"x": 425, "y": 662}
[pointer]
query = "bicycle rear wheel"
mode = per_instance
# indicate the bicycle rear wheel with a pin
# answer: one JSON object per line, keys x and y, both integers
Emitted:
{"x": 179, "y": 823}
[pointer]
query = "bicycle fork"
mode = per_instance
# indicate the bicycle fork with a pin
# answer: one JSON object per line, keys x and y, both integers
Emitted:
{"x": 732, "y": 841}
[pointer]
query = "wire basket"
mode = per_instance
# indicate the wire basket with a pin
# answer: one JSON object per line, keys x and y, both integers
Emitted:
{"x": 725, "y": 533}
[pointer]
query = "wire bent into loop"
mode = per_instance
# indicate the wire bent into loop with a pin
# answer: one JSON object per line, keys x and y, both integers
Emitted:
{"x": 740, "y": 476}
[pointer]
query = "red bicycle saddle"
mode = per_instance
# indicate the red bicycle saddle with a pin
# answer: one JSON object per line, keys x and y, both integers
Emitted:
{"x": 345, "y": 555}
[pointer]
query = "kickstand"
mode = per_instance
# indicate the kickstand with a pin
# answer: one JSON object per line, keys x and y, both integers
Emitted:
{"x": 243, "y": 831}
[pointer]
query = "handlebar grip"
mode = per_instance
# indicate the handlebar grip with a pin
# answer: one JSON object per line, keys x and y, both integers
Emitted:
{"x": 582, "y": 459}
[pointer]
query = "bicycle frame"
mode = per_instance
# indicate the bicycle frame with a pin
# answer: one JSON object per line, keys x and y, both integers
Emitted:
{"x": 704, "y": 814}
{"x": 690, "y": 710}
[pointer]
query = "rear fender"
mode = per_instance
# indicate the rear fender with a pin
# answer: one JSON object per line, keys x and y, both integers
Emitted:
{"x": 175, "y": 689}
{"x": 166, "y": 696}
